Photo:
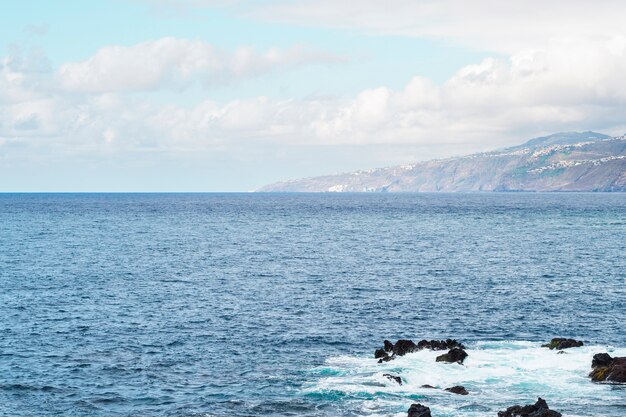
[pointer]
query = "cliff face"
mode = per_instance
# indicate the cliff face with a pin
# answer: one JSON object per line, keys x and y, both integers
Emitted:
{"x": 562, "y": 162}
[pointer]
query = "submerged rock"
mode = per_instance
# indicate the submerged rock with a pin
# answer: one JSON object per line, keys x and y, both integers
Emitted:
{"x": 560, "y": 343}
{"x": 608, "y": 369}
{"x": 474, "y": 407}
{"x": 539, "y": 409}
{"x": 419, "y": 410}
{"x": 454, "y": 355}
{"x": 457, "y": 389}
{"x": 428, "y": 386}
{"x": 393, "y": 378}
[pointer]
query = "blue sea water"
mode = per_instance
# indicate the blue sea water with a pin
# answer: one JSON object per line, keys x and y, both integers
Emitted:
{"x": 273, "y": 304}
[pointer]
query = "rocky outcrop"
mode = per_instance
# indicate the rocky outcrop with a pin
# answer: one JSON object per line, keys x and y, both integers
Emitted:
{"x": 601, "y": 359}
{"x": 419, "y": 410}
{"x": 457, "y": 389}
{"x": 539, "y": 409}
{"x": 439, "y": 344}
{"x": 560, "y": 343}
{"x": 457, "y": 355}
{"x": 608, "y": 369}
{"x": 387, "y": 346}
{"x": 404, "y": 346}
{"x": 393, "y": 378}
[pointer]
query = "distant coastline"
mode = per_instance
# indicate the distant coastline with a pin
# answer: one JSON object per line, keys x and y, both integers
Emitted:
{"x": 562, "y": 162}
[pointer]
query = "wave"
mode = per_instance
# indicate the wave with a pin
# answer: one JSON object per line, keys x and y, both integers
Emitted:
{"x": 496, "y": 374}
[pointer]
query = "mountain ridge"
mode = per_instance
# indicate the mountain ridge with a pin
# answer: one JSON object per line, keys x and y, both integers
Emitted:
{"x": 562, "y": 138}
{"x": 565, "y": 161}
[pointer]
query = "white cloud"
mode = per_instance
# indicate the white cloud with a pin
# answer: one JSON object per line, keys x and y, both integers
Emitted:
{"x": 507, "y": 27}
{"x": 176, "y": 63}
{"x": 556, "y": 80}
{"x": 569, "y": 85}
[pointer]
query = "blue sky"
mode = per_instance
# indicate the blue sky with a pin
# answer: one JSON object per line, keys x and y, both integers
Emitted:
{"x": 77, "y": 29}
{"x": 208, "y": 95}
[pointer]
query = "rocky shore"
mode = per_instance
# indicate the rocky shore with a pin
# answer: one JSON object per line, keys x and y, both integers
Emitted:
{"x": 605, "y": 369}
{"x": 608, "y": 369}
{"x": 539, "y": 409}
{"x": 390, "y": 350}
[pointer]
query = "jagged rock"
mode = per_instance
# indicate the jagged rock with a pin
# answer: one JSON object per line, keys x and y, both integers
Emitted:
{"x": 617, "y": 371}
{"x": 560, "y": 343}
{"x": 539, "y": 409}
{"x": 418, "y": 410}
{"x": 454, "y": 355}
{"x": 457, "y": 389}
{"x": 380, "y": 353}
{"x": 606, "y": 368}
{"x": 388, "y": 346}
{"x": 439, "y": 344}
{"x": 394, "y": 378}
{"x": 386, "y": 358}
{"x": 601, "y": 359}
{"x": 404, "y": 346}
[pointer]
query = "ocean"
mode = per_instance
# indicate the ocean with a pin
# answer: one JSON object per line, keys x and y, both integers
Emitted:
{"x": 273, "y": 304}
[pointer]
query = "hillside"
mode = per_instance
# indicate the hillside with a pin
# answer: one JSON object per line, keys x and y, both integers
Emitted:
{"x": 568, "y": 161}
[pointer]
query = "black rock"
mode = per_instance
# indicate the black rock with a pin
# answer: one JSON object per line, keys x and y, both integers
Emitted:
{"x": 452, "y": 343}
{"x": 560, "y": 343}
{"x": 457, "y": 389}
{"x": 388, "y": 346}
{"x": 539, "y": 409}
{"x": 454, "y": 355}
{"x": 403, "y": 346}
{"x": 428, "y": 386}
{"x": 418, "y": 410}
{"x": 606, "y": 368}
{"x": 380, "y": 353}
{"x": 617, "y": 371}
{"x": 386, "y": 358}
{"x": 394, "y": 378}
{"x": 601, "y": 359}
{"x": 439, "y": 344}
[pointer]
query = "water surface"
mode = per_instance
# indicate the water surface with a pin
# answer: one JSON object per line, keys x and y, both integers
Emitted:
{"x": 272, "y": 305}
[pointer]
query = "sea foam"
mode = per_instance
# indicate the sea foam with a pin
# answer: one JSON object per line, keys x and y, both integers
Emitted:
{"x": 496, "y": 374}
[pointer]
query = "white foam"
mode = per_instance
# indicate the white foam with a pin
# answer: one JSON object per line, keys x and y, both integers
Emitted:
{"x": 497, "y": 374}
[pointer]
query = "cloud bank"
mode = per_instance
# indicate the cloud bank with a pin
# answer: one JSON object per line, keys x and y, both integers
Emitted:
{"x": 556, "y": 66}
{"x": 505, "y": 27}
{"x": 570, "y": 84}
{"x": 176, "y": 63}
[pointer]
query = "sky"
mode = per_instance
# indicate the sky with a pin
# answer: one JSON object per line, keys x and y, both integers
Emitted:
{"x": 229, "y": 95}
